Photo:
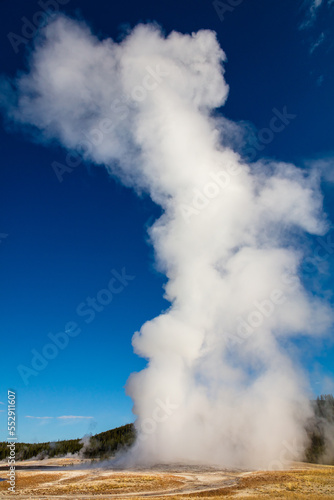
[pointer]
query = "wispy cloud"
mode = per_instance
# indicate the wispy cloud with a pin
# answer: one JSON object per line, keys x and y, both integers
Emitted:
{"x": 320, "y": 80}
{"x": 324, "y": 166}
{"x": 1, "y": 403}
{"x": 315, "y": 4}
{"x": 316, "y": 24}
{"x": 62, "y": 417}
{"x": 311, "y": 13}
{"x": 318, "y": 42}
{"x": 313, "y": 8}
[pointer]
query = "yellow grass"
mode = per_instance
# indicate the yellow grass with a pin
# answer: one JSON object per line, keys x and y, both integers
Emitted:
{"x": 306, "y": 482}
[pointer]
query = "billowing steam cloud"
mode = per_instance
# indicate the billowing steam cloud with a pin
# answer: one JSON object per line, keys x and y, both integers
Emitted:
{"x": 219, "y": 388}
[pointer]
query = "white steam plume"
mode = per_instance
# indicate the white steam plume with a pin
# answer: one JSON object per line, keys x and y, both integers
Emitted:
{"x": 219, "y": 387}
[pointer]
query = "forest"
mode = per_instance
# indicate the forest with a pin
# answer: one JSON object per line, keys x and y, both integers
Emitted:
{"x": 320, "y": 431}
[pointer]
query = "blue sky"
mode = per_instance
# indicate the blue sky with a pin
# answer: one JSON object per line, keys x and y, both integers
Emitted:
{"x": 60, "y": 242}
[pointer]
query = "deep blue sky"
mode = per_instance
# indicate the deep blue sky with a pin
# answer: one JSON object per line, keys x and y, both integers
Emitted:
{"x": 63, "y": 239}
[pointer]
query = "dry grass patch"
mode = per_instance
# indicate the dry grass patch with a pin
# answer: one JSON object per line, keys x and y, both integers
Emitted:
{"x": 82, "y": 483}
{"x": 310, "y": 484}
{"x": 28, "y": 480}
{"x": 118, "y": 483}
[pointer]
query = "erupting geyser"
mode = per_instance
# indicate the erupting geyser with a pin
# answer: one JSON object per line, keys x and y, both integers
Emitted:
{"x": 219, "y": 388}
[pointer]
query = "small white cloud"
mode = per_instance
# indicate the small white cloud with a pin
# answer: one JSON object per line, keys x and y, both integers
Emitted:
{"x": 1, "y": 403}
{"x": 62, "y": 417}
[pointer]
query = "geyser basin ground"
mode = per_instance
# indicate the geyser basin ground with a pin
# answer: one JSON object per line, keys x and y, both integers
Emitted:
{"x": 182, "y": 482}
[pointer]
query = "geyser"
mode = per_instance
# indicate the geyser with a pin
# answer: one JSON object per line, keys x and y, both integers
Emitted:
{"x": 220, "y": 387}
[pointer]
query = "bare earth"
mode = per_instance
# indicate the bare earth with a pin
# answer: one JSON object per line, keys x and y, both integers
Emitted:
{"x": 173, "y": 482}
